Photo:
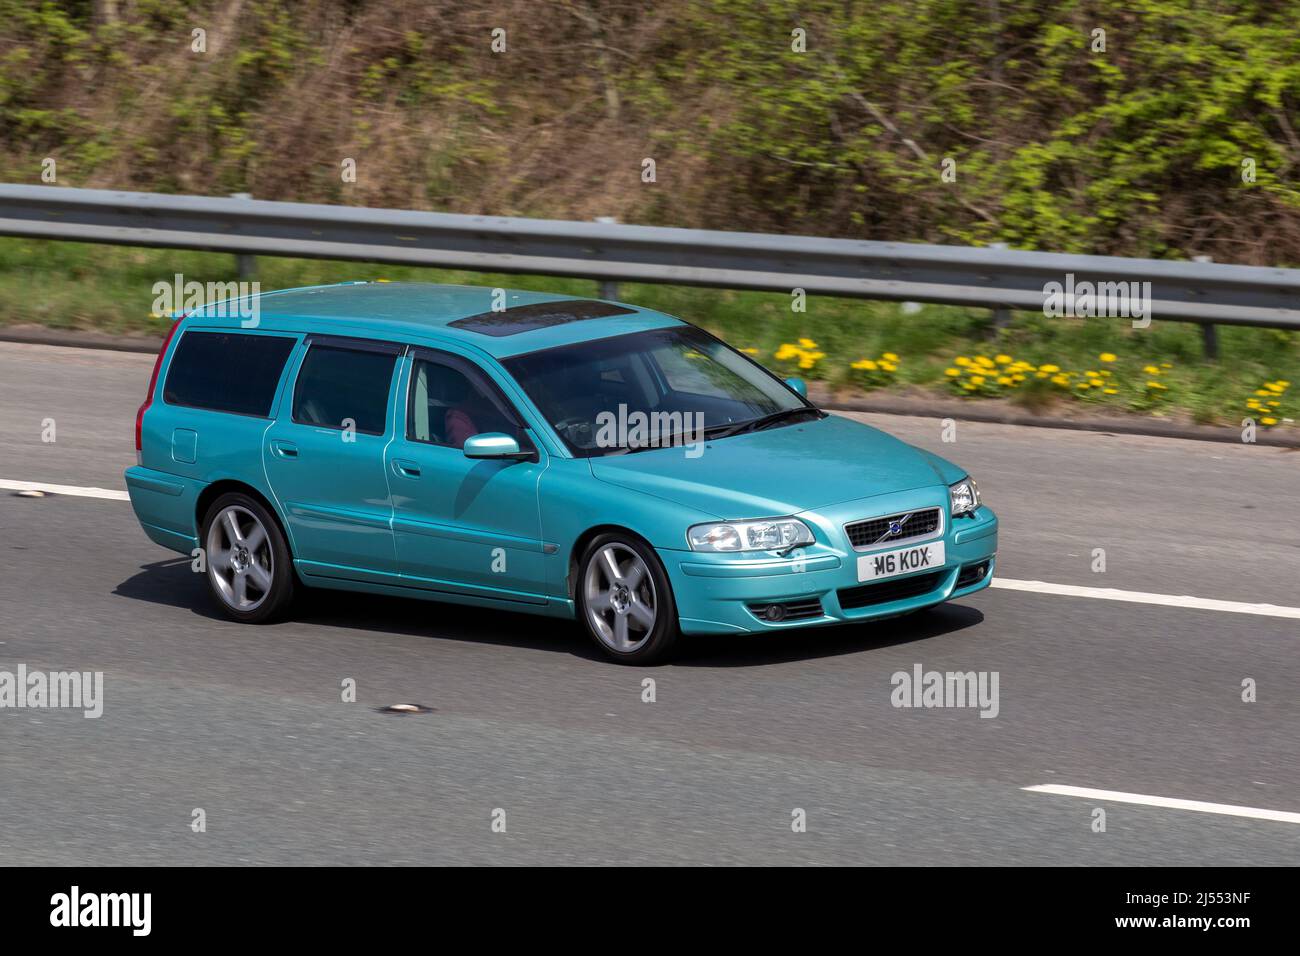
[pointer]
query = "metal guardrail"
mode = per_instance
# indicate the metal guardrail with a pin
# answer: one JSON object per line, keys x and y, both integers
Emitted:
{"x": 995, "y": 278}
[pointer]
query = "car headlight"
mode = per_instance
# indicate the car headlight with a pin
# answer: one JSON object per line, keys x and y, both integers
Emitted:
{"x": 965, "y": 496}
{"x": 768, "y": 534}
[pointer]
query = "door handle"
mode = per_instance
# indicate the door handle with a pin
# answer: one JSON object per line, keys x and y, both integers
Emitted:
{"x": 284, "y": 449}
{"x": 406, "y": 468}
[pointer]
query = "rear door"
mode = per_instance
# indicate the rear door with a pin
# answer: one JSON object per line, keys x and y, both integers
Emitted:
{"x": 463, "y": 525}
{"x": 324, "y": 457}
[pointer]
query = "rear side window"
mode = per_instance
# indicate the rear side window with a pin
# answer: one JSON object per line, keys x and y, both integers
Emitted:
{"x": 340, "y": 387}
{"x": 227, "y": 371}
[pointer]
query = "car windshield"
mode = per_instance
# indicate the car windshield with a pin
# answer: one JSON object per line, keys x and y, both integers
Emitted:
{"x": 653, "y": 389}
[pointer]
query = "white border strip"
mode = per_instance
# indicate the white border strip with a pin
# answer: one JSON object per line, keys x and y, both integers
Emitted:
{"x": 1170, "y": 803}
{"x": 1144, "y": 597}
{"x": 9, "y": 485}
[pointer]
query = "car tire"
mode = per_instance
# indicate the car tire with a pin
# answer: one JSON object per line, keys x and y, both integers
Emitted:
{"x": 624, "y": 600}
{"x": 248, "y": 566}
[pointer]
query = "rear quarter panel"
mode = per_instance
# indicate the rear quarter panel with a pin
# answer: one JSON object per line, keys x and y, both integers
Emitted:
{"x": 184, "y": 449}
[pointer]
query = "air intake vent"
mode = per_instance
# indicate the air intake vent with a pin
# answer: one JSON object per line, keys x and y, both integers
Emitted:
{"x": 899, "y": 589}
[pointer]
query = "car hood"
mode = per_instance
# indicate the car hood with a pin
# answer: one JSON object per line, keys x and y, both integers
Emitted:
{"x": 777, "y": 471}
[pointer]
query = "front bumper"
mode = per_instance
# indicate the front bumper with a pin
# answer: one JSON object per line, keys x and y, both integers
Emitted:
{"x": 728, "y": 593}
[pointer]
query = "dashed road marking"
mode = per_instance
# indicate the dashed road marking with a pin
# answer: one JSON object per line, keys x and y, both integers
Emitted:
{"x": 1168, "y": 803}
{"x": 1010, "y": 584}
{"x": 1145, "y": 597}
{"x": 7, "y": 484}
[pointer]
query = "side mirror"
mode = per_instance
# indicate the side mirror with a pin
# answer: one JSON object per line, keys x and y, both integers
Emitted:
{"x": 798, "y": 385}
{"x": 493, "y": 445}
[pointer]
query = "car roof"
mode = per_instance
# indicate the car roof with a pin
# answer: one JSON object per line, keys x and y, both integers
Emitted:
{"x": 424, "y": 312}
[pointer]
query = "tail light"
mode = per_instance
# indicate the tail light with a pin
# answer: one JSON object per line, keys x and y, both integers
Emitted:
{"x": 153, "y": 383}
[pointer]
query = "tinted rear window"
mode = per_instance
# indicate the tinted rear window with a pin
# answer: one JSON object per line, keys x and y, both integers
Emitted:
{"x": 341, "y": 386}
{"x": 227, "y": 371}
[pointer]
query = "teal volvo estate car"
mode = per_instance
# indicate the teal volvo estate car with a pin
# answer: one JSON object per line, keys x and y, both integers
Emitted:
{"x": 559, "y": 456}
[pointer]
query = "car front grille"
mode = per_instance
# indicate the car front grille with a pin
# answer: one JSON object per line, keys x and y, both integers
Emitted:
{"x": 897, "y": 589}
{"x": 874, "y": 532}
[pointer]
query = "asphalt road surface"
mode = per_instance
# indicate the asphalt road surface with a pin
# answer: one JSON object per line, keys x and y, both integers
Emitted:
{"x": 248, "y": 724}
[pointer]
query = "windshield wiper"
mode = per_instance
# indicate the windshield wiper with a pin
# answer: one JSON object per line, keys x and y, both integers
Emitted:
{"x": 766, "y": 421}
{"x": 680, "y": 439}
{"x": 718, "y": 431}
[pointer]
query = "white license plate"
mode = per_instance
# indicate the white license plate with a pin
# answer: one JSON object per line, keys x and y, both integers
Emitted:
{"x": 887, "y": 564}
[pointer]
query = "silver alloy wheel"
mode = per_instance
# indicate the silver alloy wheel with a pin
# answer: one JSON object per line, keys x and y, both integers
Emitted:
{"x": 240, "y": 562}
{"x": 619, "y": 594}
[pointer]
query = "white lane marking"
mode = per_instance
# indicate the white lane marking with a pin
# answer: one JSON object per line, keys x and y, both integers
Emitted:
{"x": 1039, "y": 587}
{"x": 7, "y": 484}
{"x": 1171, "y": 803}
{"x": 1145, "y": 597}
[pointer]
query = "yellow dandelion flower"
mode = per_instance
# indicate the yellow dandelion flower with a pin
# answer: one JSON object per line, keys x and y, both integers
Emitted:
{"x": 1049, "y": 369}
{"x": 1151, "y": 370}
{"x": 961, "y": 360}
{"x": 807, "y": 344}
{"x": 1269, "y": 421}
{"x": 1107, "y": 356}
{"x": 890, "y": 357}
{"x": 1002, "y": 359}
{"x": 952, "y": 372}
{"x": 977, "y": 380}
{"x": 1110, "y": 391}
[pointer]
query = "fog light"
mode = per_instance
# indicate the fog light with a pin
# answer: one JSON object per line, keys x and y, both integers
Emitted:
{"x": 775, "y": 612}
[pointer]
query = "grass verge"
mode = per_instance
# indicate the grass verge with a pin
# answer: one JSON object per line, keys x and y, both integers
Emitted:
{"x": 1036, "y": 362}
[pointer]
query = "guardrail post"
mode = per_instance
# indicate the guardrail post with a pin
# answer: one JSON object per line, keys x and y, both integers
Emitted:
{"x": 245, "y": 264}
{"x": 1001, "y": 319}
{"x": 1210, "y": 339}
{"x": 1209, "y": 333}
{"x": 608, "y": 287}
{"x": 1001, "y": 314}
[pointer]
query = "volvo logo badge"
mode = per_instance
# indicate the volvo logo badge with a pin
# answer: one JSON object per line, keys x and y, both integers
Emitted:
{"x": 895, "y": 527}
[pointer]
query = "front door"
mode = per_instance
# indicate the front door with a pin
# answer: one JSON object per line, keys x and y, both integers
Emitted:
{"x": 463, "y": 525}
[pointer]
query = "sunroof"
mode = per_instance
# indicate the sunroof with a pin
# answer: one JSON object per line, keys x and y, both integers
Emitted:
{"x": 540, "y": 315}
